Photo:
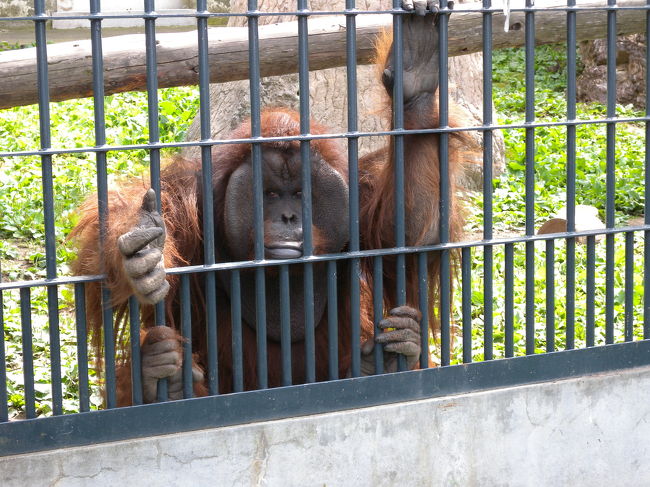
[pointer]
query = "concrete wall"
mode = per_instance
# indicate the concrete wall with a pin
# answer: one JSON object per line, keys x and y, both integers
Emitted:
{"x": 19, "y": 8}
{"x": 589, "y": 431}
{"x": 22, "y": 32}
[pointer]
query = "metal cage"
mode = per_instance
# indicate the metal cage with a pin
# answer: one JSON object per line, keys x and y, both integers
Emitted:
{"x": 462, "y": 368}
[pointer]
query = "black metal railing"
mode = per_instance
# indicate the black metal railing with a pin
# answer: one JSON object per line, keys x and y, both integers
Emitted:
{"x": 457, "y": 304}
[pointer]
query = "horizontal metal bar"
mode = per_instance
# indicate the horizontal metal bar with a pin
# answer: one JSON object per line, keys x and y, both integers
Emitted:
{"x": 407, "y": 250}
{"x": 222, "y": 266}
{"x": 59, "y": 281}
{"x": 335, "y": 135}
{"x": 245, "y": 407}
{"x": 314, "y": 13}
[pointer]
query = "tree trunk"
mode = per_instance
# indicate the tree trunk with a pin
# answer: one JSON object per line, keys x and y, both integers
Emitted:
{"x": 230, "y": 103}
{"x": 125, "y": 58}
{"x": 466, "y": 89}
{"x": 630, "y": 71}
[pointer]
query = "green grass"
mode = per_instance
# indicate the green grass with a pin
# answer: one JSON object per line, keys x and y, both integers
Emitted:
{"x": 550, "y": 196}
{"x": 551, "y": 145}
{"x": 22, "y": 232}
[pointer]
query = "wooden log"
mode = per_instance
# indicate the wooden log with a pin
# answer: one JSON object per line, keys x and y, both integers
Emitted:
{"x": 70, "y": 68}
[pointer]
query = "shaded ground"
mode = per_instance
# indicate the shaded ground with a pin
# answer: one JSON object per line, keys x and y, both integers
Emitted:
{"x": 18, "y": 261}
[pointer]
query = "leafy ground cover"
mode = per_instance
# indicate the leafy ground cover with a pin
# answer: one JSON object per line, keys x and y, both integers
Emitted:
{"x": 22, "y": 232}
{"x": 550, "y": 196}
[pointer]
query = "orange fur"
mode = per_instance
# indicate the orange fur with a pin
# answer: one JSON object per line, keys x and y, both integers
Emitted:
{"x": 182, "y": 212}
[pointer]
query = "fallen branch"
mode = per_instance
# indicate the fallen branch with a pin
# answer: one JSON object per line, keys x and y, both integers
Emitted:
{"x": 70, "y": 63}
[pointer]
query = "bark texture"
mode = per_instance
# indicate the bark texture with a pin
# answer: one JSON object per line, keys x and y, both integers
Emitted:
{"x": 466, "y": 89}
{"x": 630, "y": 71}
{"x": 70, "y": 63}
{"x": 230, "y": 102}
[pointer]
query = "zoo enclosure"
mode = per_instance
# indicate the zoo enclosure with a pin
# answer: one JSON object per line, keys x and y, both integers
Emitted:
{"x": 113, "y": 423}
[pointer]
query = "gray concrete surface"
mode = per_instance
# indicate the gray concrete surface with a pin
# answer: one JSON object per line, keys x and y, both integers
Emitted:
{"x": 23, "y": 33}
{"x": 590, "y": 431}
{"x": 15, "y": 8}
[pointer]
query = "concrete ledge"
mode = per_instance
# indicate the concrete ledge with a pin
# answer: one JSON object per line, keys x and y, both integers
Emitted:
{"x": 123, "y": 21}
{"x": 587, "y": 431}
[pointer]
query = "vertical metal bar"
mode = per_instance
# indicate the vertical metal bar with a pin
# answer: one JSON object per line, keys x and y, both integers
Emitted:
{"x": 260, "y": 303}
{"x": 355, "y": 321}
{"x": 82, "y": 346}
{"x": 48, "y": 206}
{"x": 152, "y": 95}
{"x": 237, "y": 343}
{"x": 310, "y": 340}
{"x": 4, "y": 406}
{"x": 445, "y": 272}
{"x": 530, "y": 177}
{"x": 355, "y": 324}
{"x": 53, "y": 315}
{"x": 206, "y": 186}
{"x": 353, "y": 142}
{"x": 488, "y": 279}
{"x": 590, "y": 291}
{"x": 102, "y": 195}
{"x": 353, "y": 180}
{"x": 378, "y": 310}
{"x": 611, "y": 173}
{"x": 258, "y": 203}
{"x": 109, "y": 349}
{"x": 154, "y": 138}
{"x": 646, "y": 213}
{"x": 204, "y": 84}
{"x": 466, "y": 274}
{"x": 28, "y": 358}
{"x": 423, "y": 299}
{"x": 571, "y": 176}
{"x": 332, "y": 321}
{"x": 136, "y": 365}
{"x": 488, "y": 338}
{"x": 303, "y": 81}
{"x": 211, "y": 314}
{"x": 285, "y": 325}
{"x": 260, "y": 316}
{"x": 256, "y": 149}
{"x": 186, "y": 331}
{"x": 508, "y": 319}
{"x": 550, "y": 295}
{"x": 211, "y": 318}
{"x": 629, "y": 286}
{"x": 398, "y": 124}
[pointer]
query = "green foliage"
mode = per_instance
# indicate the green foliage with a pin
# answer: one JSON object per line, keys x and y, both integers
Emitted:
{"x": 550, "y": 181}
{"x": 72, "y": 126}
{"x": 508, "y": 73}
{"x": 556, "y": 320}
{"x": 40, "y": 352}
{"x": 550, "y": 150}
{"x": 8, "y": 46}
{"x": 22, "y": 230}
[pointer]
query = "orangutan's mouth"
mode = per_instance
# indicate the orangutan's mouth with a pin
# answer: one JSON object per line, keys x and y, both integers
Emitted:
{"x": 283, "y": 250}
